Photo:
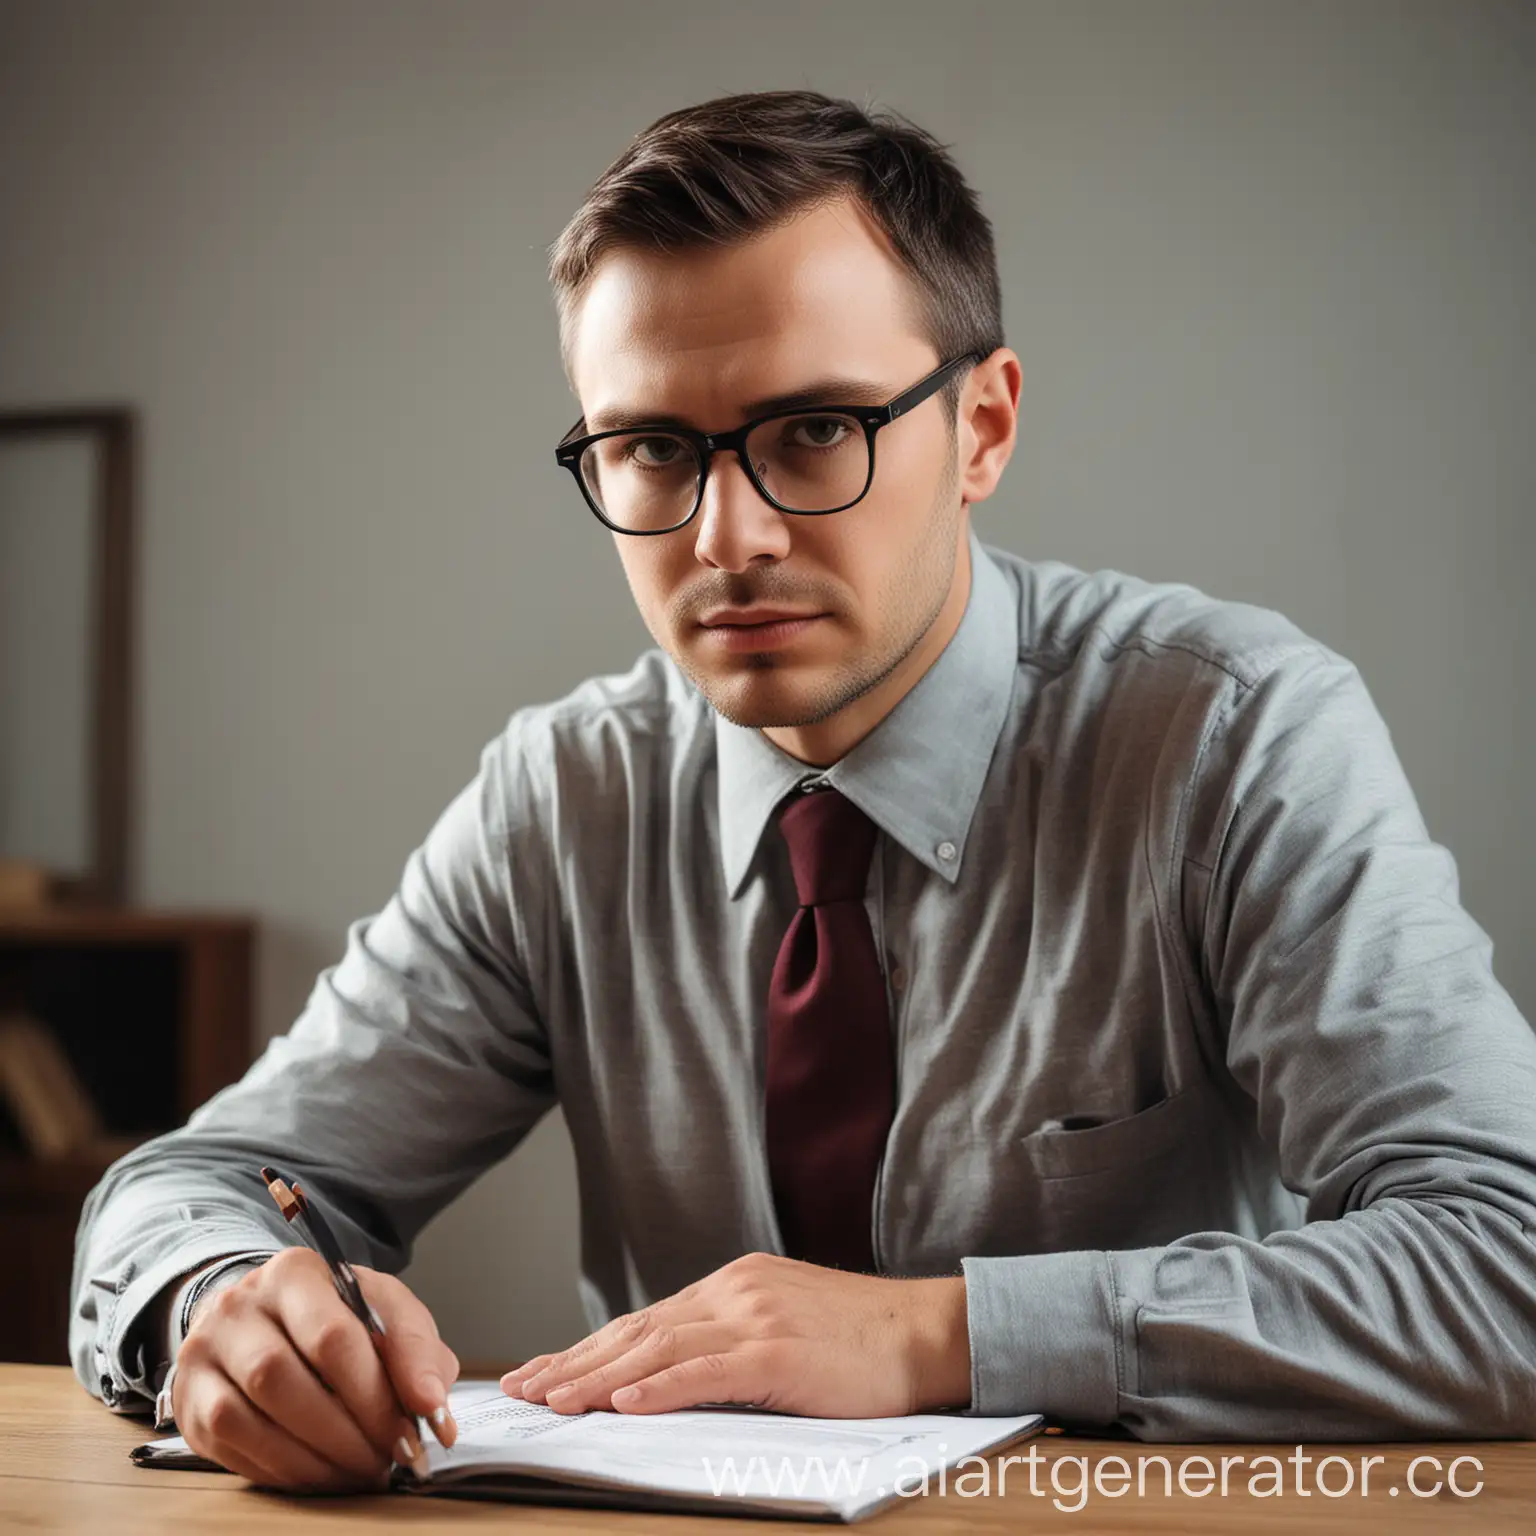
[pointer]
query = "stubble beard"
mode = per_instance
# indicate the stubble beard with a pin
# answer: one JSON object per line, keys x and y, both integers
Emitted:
{"x": 926, "y": 580}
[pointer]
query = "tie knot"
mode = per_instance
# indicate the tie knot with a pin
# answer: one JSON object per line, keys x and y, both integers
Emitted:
{"x": 831, "y": 842}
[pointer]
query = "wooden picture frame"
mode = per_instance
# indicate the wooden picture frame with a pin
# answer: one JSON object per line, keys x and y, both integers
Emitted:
{"x": 111, "y": 432}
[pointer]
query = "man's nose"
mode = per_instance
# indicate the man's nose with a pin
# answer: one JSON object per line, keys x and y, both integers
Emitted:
{"x": 736, "y": 526}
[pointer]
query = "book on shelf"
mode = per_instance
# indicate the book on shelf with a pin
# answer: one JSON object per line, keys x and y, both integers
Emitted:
{"x": 50, "y": 1107}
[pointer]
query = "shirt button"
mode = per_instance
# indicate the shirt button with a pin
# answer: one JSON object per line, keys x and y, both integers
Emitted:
{"x": 899, "y": 978}
{"x": 947, "y": 851}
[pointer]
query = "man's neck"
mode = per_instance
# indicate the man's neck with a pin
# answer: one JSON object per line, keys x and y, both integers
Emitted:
{"x": 822, "y": 744}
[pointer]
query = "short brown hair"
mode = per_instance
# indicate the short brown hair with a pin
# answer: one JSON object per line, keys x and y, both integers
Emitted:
{"x": 731, "y": 168}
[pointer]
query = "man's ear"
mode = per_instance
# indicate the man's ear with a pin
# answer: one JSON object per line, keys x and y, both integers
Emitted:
{"x": 989, "y": 415}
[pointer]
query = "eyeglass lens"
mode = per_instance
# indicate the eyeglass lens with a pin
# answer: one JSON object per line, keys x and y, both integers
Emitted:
{"x": 647, "y": 481}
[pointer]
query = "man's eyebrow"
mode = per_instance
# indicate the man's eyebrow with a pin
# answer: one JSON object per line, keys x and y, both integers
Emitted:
{"x": 833, "y": 390}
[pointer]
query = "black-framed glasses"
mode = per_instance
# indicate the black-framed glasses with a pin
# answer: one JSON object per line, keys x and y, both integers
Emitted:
{"x": 811, "y": 462}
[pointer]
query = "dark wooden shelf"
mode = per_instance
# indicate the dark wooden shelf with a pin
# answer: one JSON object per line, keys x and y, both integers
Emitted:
{"x": 153, "y": 1010}
{"x": 65, "y": 924}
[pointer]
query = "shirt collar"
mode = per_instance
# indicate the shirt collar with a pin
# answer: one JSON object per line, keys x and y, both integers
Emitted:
{"x": 918, "y": 774}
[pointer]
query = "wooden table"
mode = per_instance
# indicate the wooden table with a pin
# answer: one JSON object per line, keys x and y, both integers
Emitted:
{"x": 64, "y": 1467}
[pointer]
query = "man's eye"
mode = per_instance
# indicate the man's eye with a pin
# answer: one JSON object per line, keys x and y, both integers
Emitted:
{"x": 655, "y": 452}
{"x": 818, "y": 431}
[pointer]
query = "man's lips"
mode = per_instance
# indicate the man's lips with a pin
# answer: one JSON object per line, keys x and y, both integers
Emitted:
{"x": 755, "y": 629}
{"x": 739, "y": 617}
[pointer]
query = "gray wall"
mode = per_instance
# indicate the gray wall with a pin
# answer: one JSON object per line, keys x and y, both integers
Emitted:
{"x": 1269, "y": 268}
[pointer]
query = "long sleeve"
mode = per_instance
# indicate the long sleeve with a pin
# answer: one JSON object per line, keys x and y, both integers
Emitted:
{"x": 1396, "y": 1081}
{"x": 418, "y": 1062}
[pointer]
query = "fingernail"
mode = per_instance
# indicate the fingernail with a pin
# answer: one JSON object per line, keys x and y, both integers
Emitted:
{"x": 626, "y": 1395}
{"x": 439, "y": 1417}
{"x": 407, "y": 1447}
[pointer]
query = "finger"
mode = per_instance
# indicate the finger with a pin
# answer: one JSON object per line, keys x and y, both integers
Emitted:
{"x": 581, "y": 1355}
{"x": 197, "y": 1418}
{"x": 717, "y": 1377}
{"x": 512, "y": 1381}
{"x": 219, "y": 1422}
{"x": 419, "y": 1365}
{"x": 611, "y": 1339}
{"x": 264, "y": 1364}
{"x": 441, "y": 1418}
{"x": 664, "y": 1346}
{"x": 608, "y": 1343}
{"x": 338, "y": 1349}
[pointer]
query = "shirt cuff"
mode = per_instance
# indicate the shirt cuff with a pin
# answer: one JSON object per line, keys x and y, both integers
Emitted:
{"x": 1045, "y": 1335}
{"x": 124, "y": 1377}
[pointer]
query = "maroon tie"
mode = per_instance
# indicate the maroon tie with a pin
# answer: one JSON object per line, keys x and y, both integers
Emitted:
{"x": 831, "y": 1067}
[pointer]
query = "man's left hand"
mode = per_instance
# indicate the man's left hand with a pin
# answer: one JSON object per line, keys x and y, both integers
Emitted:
{"x": 771, "y": 1333}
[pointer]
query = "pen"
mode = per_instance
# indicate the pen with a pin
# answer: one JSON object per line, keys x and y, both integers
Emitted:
{"x": 294, "y": 1203}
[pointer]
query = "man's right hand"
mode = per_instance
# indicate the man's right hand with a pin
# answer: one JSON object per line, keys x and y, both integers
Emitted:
{"x": 279, "y": 1381}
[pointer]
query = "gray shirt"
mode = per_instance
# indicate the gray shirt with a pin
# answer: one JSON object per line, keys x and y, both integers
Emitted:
{"x": 1204, "y": 1079}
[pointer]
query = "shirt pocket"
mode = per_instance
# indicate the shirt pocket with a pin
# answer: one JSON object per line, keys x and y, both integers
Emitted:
{"x": 1138, "y": 1181}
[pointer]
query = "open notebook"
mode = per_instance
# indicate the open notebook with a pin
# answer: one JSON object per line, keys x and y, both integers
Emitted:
{"x": 705, "y": 1459}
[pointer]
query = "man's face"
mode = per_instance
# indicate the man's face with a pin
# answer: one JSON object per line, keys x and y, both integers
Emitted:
{"x": 780, "y": 620}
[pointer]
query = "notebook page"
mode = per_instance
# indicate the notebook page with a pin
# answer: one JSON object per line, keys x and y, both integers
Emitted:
{"x": 841, "y": 1464}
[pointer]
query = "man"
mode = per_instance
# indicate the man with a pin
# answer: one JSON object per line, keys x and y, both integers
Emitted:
{"x": 968, "y": 982}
